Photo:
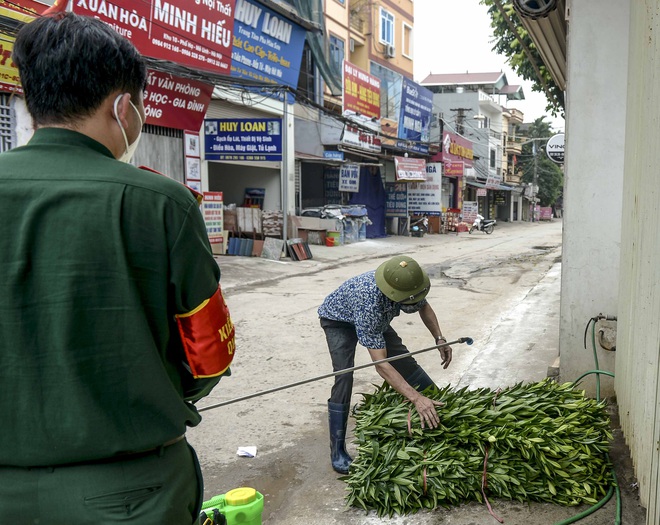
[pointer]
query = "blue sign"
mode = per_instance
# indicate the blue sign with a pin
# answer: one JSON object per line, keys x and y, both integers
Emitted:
{"x": 267, "y": 46}
{"x": 335, "y": 155}
{"x": 243, "y": 139}
{"x": 415, "y": 117}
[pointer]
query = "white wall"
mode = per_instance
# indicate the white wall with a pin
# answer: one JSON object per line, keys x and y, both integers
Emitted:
{"x": 638, "y": 342}
{"x": 595, "y": 124}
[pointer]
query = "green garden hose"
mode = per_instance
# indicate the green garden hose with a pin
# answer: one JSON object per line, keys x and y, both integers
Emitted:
{"x": 615, "y": 485}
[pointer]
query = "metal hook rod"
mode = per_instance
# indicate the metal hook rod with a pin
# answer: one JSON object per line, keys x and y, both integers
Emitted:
{"x": 467, "y": 340}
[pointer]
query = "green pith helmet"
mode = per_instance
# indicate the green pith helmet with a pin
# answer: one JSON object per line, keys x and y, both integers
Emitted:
{"x": 402, "y": 280}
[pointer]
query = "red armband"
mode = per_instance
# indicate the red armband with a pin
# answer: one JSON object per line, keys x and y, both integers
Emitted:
{"x": 207, "y": 334}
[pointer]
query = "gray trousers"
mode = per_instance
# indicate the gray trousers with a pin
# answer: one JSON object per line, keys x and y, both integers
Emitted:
{"x": 342, "y": 342}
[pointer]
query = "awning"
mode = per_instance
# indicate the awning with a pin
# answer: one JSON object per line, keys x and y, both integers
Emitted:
{"x": 315, "y": 159}
{"x": 481, "y": 185}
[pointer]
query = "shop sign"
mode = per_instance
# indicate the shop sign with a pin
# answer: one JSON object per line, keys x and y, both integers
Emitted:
{"x": 361, "y": 92}
{"x": 493, "y": 182}
{"x": 482, "y": 192}
{"x": 212, "y": 210}
{"x": 397, "y": 199}
{"x": 456, "y": 149}
{"x": 334, "y": 155}
{"x": 243, "y": 139}
{"x": 426, "y": 197}
{"x": 454, "y": 169}
{"x": 267, "y": 46}
{"x": 415, "y": 117}
{"x": 358, "y": 138}
{"x": 470, "y": 211}
{"x": 545, "y": 213}
{"x": 175, "y": 102}
{"x": 196, "y": 34}
{"x": 499, "y": 198}
{"x": 9, "y": 79}
{"x": 349, "y": 178}
{"x": 554, "y": 148}
{"x": 410, "y": 169}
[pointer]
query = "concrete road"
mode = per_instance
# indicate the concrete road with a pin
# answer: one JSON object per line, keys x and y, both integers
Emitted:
{"x": 500, "y": 289}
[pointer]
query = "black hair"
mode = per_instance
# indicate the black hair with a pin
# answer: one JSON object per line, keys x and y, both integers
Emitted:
{"x": 70, "y": 64}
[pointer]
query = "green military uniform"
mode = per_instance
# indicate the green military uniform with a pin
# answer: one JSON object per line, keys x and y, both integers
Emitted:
{"x": 96, "y": 258}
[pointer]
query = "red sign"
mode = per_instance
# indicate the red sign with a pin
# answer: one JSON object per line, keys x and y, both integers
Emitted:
{"x": 24, "y": 13}
{"x": 410, "y": 169}
{"x": 453, "y": 169}
{"x": 196, "y": 34}
{"x": 361, "y": 92}
{"x": 175, "y": 102}
{"x": 455, "y": 149}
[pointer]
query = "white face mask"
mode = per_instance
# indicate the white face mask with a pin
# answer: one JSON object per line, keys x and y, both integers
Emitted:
{"x": 130, "y": 148}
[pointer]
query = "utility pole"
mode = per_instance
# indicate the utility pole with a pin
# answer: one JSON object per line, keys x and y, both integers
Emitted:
{"x": 460, "y": 119}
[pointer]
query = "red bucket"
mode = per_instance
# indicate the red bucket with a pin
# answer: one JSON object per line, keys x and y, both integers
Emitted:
{"x": 329, "y": 241}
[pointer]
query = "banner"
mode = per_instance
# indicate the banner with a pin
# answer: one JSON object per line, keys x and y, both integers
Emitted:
{"x": 349, "y": 178}
{"x": 212, "y": 210}
{"x": 410, "y": 169}
{"x": 176, "y": 102}
{"x": 267, "y": 47}
{"x": 243, "y": 139}
{"x": 415, "y": 117}
{"x": 196, "y": 34}
{"x": 361, "y": 92}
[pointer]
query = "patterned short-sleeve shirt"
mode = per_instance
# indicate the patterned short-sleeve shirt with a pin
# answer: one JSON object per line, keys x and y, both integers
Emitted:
{"x": 360, "y": 302}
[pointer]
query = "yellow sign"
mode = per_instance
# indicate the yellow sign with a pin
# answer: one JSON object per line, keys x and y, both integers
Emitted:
{"x": 9, "y": 79}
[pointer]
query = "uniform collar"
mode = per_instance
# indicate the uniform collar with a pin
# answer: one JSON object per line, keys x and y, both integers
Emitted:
{"x": 67, "y": 137}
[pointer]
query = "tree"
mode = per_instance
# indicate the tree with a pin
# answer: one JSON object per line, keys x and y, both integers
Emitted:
{"x": 511, "y": 39}
{"x": 550, "y": 178}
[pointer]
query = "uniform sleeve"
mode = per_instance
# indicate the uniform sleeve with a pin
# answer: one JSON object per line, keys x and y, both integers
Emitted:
{"x": 194, "y": 274}
{"x": 194, "y": 278}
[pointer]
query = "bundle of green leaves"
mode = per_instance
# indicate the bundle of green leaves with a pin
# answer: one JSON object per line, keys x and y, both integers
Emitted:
{"x": 542, "y": 442}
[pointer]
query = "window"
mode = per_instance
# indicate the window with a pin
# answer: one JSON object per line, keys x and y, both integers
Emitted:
{"x": 493, "y": 154}
{"x": 307, "y": 79}
{"x": 336, "y": 52}
{"x": 386, "y": 27}
{"x": 5, "y": 123}
{"x": 407, "y": 41}
{"x": 390, "y": 91}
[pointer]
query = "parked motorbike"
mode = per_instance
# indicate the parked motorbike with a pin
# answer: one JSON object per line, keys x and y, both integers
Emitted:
{"x": 419, "y": 227}
{"x": 484, "y": 225}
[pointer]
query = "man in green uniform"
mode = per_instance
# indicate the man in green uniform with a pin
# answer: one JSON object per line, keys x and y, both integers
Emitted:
{"x": 111, "y": 320}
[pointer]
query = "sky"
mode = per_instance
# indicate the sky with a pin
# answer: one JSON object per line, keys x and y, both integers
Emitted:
{"x": 454, "y": 36}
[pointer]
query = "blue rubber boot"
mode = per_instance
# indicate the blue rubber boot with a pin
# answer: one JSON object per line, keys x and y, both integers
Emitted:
{"x": 337, "y": 418}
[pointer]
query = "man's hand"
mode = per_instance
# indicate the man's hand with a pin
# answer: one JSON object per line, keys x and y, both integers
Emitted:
{"x": 445, "y": 353}
{"x": 427, "y": 412}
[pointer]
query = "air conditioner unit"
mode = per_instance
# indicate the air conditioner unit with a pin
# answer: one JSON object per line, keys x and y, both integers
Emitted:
{"x": 390, "y": 52}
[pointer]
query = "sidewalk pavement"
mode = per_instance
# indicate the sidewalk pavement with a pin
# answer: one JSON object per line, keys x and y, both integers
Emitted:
{"x": 239, "y": 271}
